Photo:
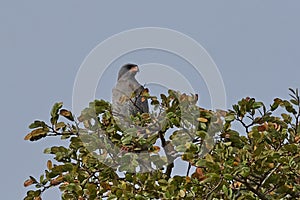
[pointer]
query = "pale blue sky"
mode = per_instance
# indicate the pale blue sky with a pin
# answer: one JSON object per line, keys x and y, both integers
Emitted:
{"x": 255, "y": 45}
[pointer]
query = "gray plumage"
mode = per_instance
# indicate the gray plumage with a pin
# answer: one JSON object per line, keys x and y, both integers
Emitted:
{"x": 126, "y": 95}
{"x": 127, "y": 100}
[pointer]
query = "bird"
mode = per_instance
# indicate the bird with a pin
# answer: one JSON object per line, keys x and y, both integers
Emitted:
{"x": 127, "y": 95}
{"x": 128, "y": 100}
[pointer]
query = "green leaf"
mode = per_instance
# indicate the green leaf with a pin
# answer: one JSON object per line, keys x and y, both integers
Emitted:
{"x": 47, "y": 151}
{"x": 152, "y": 139}
{"x": 225, "y": 190}
{"x": 54, "y": 112}
{"x": 80, "y": 174}
{"x": 203, "y": 126}
{"x": 287, "y": 118}
{"x": 293, "y": 148}
{"x": 245, "y": 171}
{"x": 229, "y": 117}
{"x": 201, "y": 134}
{"x": 257, "y": 105}
{"x": 37, "y": 124}
{"x": 126, "y": 139}
{"x": 236, "y": 108}
{"x": 295, "y": 102}
{"x": 288, "y": 106}
{"x": 228, "y": 177}
{"x": 275, "y": 104}
{"x": 201, "y": 163}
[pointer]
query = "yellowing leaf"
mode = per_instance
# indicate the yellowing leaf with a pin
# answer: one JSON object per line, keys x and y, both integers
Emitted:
{"x": 271, "y": 165}
{"x": 105, "y": 185}
{"x": 262, "y": 127}
{"x": 188, "y": 179}
{"x": 209, "y": 158}
{"x": 67, "y": 114}
{"x": 199, "y": 174}
{"x": 59, "y": 125}
{"x": 237, "y": 184}
{"x": 57, "y": 181}
{"x": 156, "y": 149}
{"x": 36, "y": 134}
{"x": 201, "y": 119}
{"x": 28, "y": 182}
{"x": 49, "y": 164}
{"x": 27, "y": 137}
{"x": 182, "y": 193}
{"x": 297, "y": 139}
{"x": 145, "y": 92}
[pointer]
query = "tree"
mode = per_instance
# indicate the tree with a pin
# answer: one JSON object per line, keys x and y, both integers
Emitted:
{"x": 260, "y": 160}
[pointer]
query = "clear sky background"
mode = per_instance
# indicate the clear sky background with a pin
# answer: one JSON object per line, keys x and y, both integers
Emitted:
{"x": 255, "y": 45}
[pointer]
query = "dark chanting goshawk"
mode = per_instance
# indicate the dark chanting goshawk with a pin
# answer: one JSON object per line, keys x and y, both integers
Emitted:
{"x": 127, "y": 96}
{"x": 128, "y": 100}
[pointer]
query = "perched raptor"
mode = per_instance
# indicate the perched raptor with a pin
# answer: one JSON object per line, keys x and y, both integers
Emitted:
{"x": 127, "y": 96}
{"x": 128, "y": 100}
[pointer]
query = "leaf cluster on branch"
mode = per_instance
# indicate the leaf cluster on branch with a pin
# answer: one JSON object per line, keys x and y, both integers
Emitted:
{"x": 258, "y": 159}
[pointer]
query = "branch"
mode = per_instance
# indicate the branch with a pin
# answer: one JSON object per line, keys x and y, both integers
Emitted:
{"x": 268, "y": 176}
{"x": 216, "y": 187}
{"x": 249, "y": 187}
{"x": 245, "y": 125}
{"x": 164, "y": 143}
{"x": 188, "y": 170}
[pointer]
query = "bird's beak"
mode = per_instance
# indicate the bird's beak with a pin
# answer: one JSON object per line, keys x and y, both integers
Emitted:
{"x": 135, "y": 69}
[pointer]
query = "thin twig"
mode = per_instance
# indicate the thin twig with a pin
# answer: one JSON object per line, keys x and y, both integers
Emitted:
{"x": 273, "y": 170}
{"x": 249, "y": 187}
{"x": 216, "y": 187}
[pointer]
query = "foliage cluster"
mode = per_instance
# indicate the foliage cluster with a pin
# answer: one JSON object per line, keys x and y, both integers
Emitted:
{"x": 260, "y": 160}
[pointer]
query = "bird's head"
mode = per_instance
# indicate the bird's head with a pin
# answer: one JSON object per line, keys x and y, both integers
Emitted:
{"x": 128, "y": 70}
